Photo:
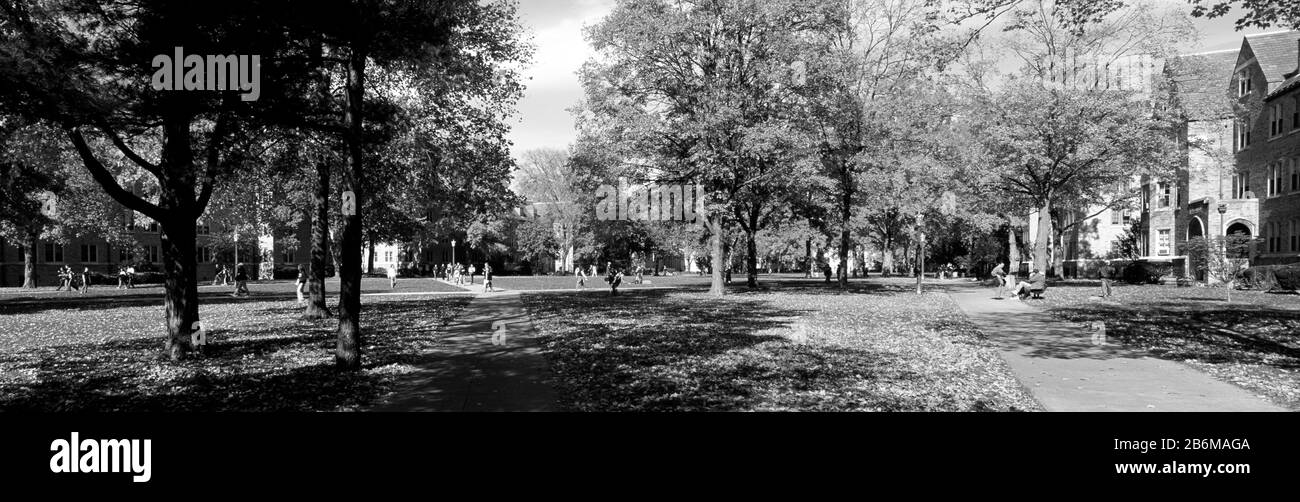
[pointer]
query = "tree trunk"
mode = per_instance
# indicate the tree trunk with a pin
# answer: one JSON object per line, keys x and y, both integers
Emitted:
{"x": 887, "y": 260}
{"x": 1044, "y": 235}
{"x": 807, "y": 257}
{"x": 1058, "y": 255}
{"x": 843, "y": 271}
{"x": 348, "y": 353}
{"x": 751, "y": 258}
{"x": 716, "y": 288}
{"x": 320, "y": 231}
{"x": 182, "y": 285}
{"x": 29, "y": 260}
{"x": 370, "y": 260}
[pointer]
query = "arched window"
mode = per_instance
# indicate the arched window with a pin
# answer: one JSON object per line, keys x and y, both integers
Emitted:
{"x": 1295, "y": 174}
{"x": 1295, "y": 235}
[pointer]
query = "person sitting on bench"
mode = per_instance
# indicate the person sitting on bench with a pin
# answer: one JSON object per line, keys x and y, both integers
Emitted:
{"x": 1036, "y": 285}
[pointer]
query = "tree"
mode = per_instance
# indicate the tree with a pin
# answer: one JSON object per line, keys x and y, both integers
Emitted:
{"x": 1257, "y": 13}
{"x": 99, "y": 85}
{"x": 546, "y": 179}
{"x": 30, "y": 176}
{"x": 701, "y": 92}
{"x": 1223, "y": 258}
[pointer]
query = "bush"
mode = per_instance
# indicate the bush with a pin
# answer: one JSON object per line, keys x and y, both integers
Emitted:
{"x": 1270, "y": 277}
{"x": 1142, "y": 272}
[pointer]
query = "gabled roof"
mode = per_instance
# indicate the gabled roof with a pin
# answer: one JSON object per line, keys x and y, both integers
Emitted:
{"x": 1201, "y": 81}
{"x": 1287, "y": 86}
{"x": 1276, "y": 53}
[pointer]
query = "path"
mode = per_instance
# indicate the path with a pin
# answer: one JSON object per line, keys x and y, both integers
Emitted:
{"x": 1056, "y": 361}
{"x": 490, "y": 361}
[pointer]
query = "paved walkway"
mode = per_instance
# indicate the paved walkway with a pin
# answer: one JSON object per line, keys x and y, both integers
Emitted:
{"x": 1057, "y": 362}
{"x": 490, "y": 361}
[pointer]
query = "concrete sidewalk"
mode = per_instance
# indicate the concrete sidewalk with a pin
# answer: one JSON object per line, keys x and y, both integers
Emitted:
{"x": 1057, "y": 362}
{"x": 490, "y": 361}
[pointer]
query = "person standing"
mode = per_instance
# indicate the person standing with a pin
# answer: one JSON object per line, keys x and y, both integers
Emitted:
{"x": 121, "y": 277}
{"x": 582, "y": 279}
{"x": 473, "y": 270}
{"x": 487, "y": 277}
{"x": 1107, "y": 274}
{"x": 302, "y": 284}
{"x": 392, "y": 277}
{"x": 130, "y": 276}
{"x": 85, "y": 280}
{"x": 614, "y": 279}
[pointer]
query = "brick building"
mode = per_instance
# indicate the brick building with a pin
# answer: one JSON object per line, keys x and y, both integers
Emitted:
{"x": 1266, "y": 84}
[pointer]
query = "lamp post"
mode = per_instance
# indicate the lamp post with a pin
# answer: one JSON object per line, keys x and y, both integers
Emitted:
{"x": 453, "y": 251}
{"x": 1223, "y": 209}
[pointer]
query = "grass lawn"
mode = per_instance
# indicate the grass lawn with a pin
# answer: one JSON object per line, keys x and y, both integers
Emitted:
{"x": 1253, "y": 342}
{"x": 792, "y": 346}
{"x": 104, "y": 355}
{"x": 525, "y": 282}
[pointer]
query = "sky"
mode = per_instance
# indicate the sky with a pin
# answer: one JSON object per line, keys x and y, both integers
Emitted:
{"x": 543, "y": 119}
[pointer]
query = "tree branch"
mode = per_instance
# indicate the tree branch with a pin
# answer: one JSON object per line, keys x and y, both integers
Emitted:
{"x": 106, "y": 180}
{"x": 127, "y": 151}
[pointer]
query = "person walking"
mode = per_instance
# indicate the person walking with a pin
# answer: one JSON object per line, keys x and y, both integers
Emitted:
{"x": 241, "y": 281}
{"x": 582, "y": 279}
{"x": 85, "y": 280}
{"x": 473, "y": 270}
{"x": 487, "y": 277}
{"x": 302, "y": 284}
{"x": 1107, "y": 273}
{"x": 392, "y": 277}
{"x": 121, "y": 277}
{"x": 65, "y": 278}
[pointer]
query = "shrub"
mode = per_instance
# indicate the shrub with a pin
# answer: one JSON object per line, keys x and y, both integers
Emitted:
{"x": 1270, "y": 277}
{"x": 1142, "y": 272}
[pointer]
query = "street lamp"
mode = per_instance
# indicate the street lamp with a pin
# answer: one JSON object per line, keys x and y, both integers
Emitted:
{"x": 1223, "y": 209}
{"x": 453, "y": 251}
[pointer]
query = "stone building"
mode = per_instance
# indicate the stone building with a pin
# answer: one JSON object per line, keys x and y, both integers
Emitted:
{"x": 1266, "y": 82}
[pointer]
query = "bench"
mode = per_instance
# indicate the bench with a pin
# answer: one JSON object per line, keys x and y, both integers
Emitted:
{"x": 1037, "y": 293}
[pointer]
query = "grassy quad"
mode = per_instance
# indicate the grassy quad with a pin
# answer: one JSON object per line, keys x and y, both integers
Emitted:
{"x": 1253, "y": 342}
{"x": 795, "y": 345}
{"x": 87, "y": 355}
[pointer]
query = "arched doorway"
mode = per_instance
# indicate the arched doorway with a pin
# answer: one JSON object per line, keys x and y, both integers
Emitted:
{"x": 1195, "y": 228}
{"x": 1236, "y": 248}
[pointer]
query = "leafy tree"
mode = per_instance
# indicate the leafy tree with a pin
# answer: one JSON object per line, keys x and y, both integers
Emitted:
{"x": 1256, "y": 13}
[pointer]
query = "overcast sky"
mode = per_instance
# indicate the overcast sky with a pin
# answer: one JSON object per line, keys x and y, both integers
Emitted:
{"x": 543, "y": 120}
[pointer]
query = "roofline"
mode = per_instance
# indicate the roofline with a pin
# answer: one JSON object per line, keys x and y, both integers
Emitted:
{"x": 1272, "y": 33}
{"x": 1209, "y": 52}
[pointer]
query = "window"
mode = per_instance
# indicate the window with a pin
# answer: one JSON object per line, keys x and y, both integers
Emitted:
{"x": 1243, "y": 83}
{"x": 203, "y": 229}
{"x": 1274, "y": 120}
{"x": 1164, "y": 195}
{"x": 1162, "y": 242}
{"x": 286, "y": 256}
{"x": 1119, "y": 217}
{"x": 53, "y": 253}
{"x": 1240, "y": 185}
{"x": 151, "y": 254}
{"x": 203, "y": 254}
{"x": 153, "y": 227}
{"x": 388, "y": 256}
{"x": 126, "y": 255}
{"x": 1295, "y": 235}
{"x": 89, "y": 253}
{"x": 1278, "y": 178}
{"x": 1272, "y": 176}
{"x": 1295, "y": 174}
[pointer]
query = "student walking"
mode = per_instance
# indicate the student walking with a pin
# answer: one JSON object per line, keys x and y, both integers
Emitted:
{"x": 392, "y": 277}
{"x": 582, "y": 279}
{"x": 487, "y": 277}
{"x": 614, "y": 279}
{"x": 85, "y": 279}
{"x": 121, "y": 277}
{"x": 241, "y": 281}
{"x": 473, "y": 270}
{"x": 65, "y": 278}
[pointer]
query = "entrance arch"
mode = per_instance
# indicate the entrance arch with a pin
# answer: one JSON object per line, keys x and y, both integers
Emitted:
{"x": 1195, "y": 228}
{"x": 1239, "y": 227}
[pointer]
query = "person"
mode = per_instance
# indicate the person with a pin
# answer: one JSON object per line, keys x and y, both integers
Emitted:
{"x": 85, "y": 279}
{"x": 220, "y": 275}
{"x": 1000, "y": 275}
{"x": 121, "y": 277}
{"x": 639, "y": 270}
{"x": 826, "y": 269}
{"x": 392, "y": 277}
{"x": 615, "y": 278}
{"x": 582, "y": 279}
{"x": 473, "y": 270}
{"x": 1036, "y": 281}
{"x": 1107, "y": 274}
{"x": 487, "y": 277}
{"x": 65, "y": 278}
{"x": 241, "y": 281}
{"x": 302, "y": 284}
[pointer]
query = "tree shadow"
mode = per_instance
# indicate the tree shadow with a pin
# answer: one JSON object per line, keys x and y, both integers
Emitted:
{"x": 255, "y": 368}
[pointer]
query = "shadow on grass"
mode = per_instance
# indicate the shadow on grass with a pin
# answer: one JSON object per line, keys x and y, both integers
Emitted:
{"x": 259, "y": 368}
{"x": 669, "y": 351}
{"x": 1214, "y": 334}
